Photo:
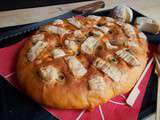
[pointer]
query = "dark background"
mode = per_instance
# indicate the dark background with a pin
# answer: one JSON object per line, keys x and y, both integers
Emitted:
{"x": 18, "y": 4}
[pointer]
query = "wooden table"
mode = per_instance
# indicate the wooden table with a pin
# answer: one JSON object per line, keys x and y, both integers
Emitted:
{"x": 150, "y": 8}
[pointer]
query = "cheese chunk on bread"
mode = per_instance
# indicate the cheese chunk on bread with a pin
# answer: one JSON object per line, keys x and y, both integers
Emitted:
{"x": 110, "y": 70}
{"x": 51, "y": 74}
{"x": 71, "y": 45}
{"x": 74, "y": 22}
{"x": 58, "y": 53}
{"x": 37, "y": 37}
{"x": 36, "y": 50}
{"x": 76, "y": 66}
{"x": 56, "y": 30}
{"x": 89, "y": 45}
{"x": 104, "y": 29}
{"x": 128, "y": 57}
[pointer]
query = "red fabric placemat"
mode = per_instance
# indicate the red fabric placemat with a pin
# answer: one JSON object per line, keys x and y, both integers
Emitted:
{"x": 114, "y": 109}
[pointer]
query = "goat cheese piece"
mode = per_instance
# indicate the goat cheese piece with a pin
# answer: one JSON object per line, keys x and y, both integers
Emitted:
{"x": 104, "y": 29}
{"x": 147, "y": 24}
{"x": 56, "y": 30}
{"x": 37, "y": 37}
{"x": 51, "y": 74}
{"x": 57, "y": 53}
{"x": 89, "y": 45}
{"x": 128, "y": 57}
{"x": 122, "y": 13}
{"x": 112, "y": 71}
{"x": 97, "y": 33}
{"x": 71, "y": 45}
{"x": 76, "y": 66}
{"x": 35, "y": 51}
{"x": 74, "y": 22}
{"x": 109, "y": 45}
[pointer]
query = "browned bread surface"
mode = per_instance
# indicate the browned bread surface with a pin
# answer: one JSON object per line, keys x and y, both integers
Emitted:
{"x": 81, "y": 62}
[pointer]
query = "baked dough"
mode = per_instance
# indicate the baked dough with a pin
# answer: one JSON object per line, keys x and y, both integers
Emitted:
{"x": 81, "y": 62}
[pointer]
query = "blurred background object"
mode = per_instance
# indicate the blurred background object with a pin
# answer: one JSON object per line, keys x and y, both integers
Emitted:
{"x": 21, "y": 4}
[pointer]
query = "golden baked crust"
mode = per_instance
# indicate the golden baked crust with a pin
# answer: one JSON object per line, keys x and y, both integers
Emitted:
{"x": 76, "y": 92}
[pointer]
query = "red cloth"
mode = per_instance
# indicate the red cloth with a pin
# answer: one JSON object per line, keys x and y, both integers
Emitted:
{"x": 114, "y": 109}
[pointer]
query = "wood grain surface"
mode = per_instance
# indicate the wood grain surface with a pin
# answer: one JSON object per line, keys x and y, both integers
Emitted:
{"x": 150, "y": 8}
{"x": 23, "y": 16}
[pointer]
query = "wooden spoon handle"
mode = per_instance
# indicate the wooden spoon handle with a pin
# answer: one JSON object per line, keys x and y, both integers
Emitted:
{"x": 89, "y": 8}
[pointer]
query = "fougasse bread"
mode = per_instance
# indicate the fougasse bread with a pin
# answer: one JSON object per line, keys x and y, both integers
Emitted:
{"x": 81, "y": 62}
